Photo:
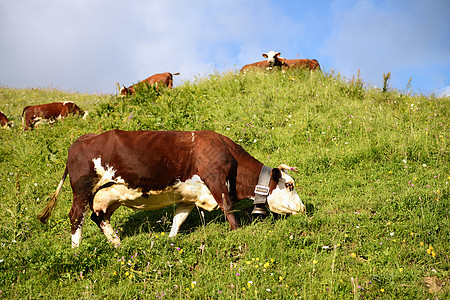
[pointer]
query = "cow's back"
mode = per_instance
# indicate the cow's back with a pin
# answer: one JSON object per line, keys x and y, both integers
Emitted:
{"x": 260, "y": 65}
{"x": 150, "y": 160}
{"x": 163, "y": 78}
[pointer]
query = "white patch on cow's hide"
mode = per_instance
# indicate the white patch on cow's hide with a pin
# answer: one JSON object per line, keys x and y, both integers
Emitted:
{"x": 195, "y": 190}
{"x": 37, "y": 121}
{"x": 284, "y": 201}
{"x": 76, "y": 237}
{"x": 65, "y": 102}
{"x": 192, "y": 191}
{"x": 193, "y": 137}
{"x": 105, "y": 175}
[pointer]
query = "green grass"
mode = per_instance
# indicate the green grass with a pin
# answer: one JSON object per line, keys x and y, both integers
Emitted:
{"x": 374, "y": 173}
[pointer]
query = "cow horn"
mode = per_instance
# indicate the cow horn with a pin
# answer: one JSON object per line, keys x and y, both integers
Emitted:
{"x": 286, "y": 167}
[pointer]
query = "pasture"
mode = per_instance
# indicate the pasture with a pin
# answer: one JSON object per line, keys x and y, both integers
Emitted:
{"x": 373, "y": 173}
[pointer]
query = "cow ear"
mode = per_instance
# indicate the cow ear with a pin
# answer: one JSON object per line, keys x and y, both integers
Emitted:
{"x": 264, "y": 55}
{"x": 278, "y": 54}
{"x": 276, "y": 174}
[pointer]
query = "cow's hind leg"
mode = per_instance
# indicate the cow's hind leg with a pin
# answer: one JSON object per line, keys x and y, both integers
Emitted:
{"x": 103, "y": 221}
{"x": 77, "y": 217}
{"x": 180, "y": 215}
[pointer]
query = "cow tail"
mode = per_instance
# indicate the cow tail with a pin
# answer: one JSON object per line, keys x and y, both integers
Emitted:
{"x": 45, "y": 214}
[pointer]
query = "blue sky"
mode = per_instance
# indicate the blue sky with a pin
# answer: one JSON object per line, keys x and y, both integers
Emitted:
{"x": 88, "y": 46}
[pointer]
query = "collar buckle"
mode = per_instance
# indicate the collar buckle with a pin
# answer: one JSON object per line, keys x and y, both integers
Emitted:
{"x": 262, "y": 190}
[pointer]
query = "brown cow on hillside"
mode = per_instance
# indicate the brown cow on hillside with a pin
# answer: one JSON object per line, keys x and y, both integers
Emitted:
{"x": 149, "y": 170}
{"x": 164, "y": 79}
{"x": 274, "y": 59}
{"x": 33, "y": 115}
{"x": 4, "y": 122}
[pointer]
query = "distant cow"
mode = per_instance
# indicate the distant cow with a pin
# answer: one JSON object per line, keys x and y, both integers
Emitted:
{"x": 33, "y": 115}
{"x": 272, "y": 61}
{"x": 164, "y": 79}
{"x": 149, "y": 170}
{"x": 4, "y": 122}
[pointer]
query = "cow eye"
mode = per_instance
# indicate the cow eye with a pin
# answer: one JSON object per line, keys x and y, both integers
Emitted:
{"x": 290, "y": 186}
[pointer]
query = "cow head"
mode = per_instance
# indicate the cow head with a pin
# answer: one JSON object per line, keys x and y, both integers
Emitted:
{"x": 123, "y": 90}
{"x": 127, "y": 90}
{"x": 284, "y": 199}
{"x": 272, "y": 57}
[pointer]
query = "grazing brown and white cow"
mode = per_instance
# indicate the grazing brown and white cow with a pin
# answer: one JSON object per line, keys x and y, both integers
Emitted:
{"x": 163, "y": 79}
{"x": 149, "y": 170}
{"x": 4, "y": 122}
{"x": 274, "y": 60}
{"x": 33, "y": 115}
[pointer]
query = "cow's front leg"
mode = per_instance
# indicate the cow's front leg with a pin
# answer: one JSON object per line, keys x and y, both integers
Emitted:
{"x": 228, "y": 211}
{"x": 180, "y": 215}
{"x": 224, "y": 191}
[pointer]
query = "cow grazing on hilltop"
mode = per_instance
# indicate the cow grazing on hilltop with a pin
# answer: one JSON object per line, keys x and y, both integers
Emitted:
{"x": 149, "y": 170}
{"x": 274, "y": 60}
{"x": 163, "y": 79}
{"x": 33, "y": 115}
{"x": 4, "y": 122}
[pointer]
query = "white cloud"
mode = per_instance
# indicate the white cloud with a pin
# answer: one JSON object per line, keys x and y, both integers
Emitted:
{"x": 91, "y": 45}
{"x": 445, "y": 92}
{"x": 388, "y": 36}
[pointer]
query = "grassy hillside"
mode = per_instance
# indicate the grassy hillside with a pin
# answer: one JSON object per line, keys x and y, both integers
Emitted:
{"x": 374, "y": 173}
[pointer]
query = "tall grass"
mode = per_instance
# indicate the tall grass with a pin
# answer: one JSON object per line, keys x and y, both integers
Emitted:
{"x": 374, "y": 175}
